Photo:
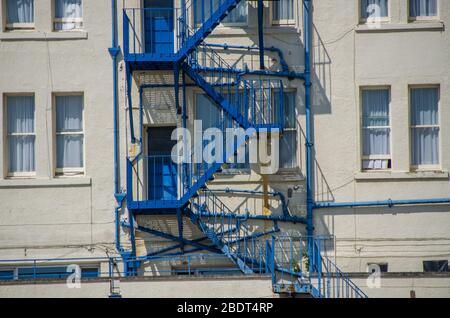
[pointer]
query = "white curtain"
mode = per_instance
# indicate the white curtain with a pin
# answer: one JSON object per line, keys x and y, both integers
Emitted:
{"x": 376, "y": 131}
{"x": 68, "y": 9}
{"x": 425, "y": 112}
{"x": 69, "y": 119}
{"x": 419, "y": 8}
{"x": 20, "y": 11}
{"x": 238, "y": 14}
{"x": 283, "y": 9}
{"x": 382, "y": 5}
{"x": 21, "y": 139}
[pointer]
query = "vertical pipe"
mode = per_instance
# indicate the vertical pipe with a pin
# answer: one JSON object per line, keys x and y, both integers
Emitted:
{"x": 261, "y": 33}
{"x": 309, "y": 145}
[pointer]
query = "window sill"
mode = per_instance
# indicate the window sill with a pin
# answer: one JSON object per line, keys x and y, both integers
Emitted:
{"x": 406, "y": 27}
{"x": 45, "y": 183}
{"x": 401, "y": 176}
{"x": 40, "y": 36}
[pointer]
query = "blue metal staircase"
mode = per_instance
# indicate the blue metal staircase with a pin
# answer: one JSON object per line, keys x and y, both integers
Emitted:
{"x": 247, "y": 103}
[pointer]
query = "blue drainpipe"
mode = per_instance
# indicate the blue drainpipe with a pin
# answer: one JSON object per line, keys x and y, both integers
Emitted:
{"x": 119, "y": 196}
{"x": 307, "y": 7}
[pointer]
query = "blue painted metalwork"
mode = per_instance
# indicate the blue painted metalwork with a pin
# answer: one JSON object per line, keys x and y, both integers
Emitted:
{"x": 244, "y": 102}
{"x": 307, "y": 34}
{"x": 261, "y": 33}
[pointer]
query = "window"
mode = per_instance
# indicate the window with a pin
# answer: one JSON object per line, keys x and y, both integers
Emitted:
{"x": 374, "y": 9}
{"x": 19, "y": 14}
{"x": 54, "y": 272}
{"x": 21, "y": 135}
{"x": 68, "y": 15}
{"x": 212, "y": 116}
{"x": 422, "y": 8}
{"x": 383, "y": 267}
{"x": 288, "y": 140}
{"x": 376, "y": 131}
{"x": 425, "y": 126}
{"x": 69, "y": 134}
{"x": 204, "y": 9}
{"x": 6, "y": 274}
{"x": 283, "y": 11}
{"x": 238, "y": 15}
{"x": 435, "y": 266}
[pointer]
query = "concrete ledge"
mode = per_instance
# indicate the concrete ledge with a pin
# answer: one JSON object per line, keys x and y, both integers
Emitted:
{"x": 42, "y": 36}
{"x": 45, "y": 183}
{"x": 402, "y": 176}
{"x": 167, "y": 278}
{"x": 407, "y": 27}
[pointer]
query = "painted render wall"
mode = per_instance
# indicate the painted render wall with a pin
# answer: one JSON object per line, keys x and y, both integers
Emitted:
{"x": 67, "y": 217}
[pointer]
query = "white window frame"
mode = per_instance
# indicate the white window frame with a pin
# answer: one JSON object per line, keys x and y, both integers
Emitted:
{"x": 18, "y": 26}
{"x": 67, "y": 20}
{"x": 424, "y": 17}
{"x": 411, "y": 127}
{"x": 283, "y": 22}
{"x": 386, "y": 19}
{"x": 23, "y": 174}
{"x": 69, "y": 172}
{"x": 375, "y": 157}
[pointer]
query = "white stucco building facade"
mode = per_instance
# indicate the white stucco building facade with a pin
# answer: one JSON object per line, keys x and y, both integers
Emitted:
{"x": 53, "y": 209}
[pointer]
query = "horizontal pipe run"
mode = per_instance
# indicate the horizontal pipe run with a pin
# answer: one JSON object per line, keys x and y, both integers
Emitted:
{"x": 389, "y": 203}
{"x": 293, "y": 219}
{"x": 294, "y": 75}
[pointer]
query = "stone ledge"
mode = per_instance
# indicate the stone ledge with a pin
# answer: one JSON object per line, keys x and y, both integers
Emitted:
{"x": 405, "y": 27}
{"x": 42, "y": 36}
{"x": 45, "y": 183}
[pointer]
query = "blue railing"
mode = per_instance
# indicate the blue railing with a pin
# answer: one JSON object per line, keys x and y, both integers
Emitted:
{"x": 153, "y": 34}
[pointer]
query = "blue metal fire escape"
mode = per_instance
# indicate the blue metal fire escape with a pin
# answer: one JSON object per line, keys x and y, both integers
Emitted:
{"x": 172, "y": 39}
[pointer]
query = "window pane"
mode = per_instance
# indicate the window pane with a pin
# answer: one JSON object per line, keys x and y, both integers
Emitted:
{"x": 435, "y": 266}
{"x": 374, "y": 8}
{"x": 68, "y": 9}
{"x": 375, "y": 121}
{"x": 69, "y": 151}
{"x": 69, "y": 113}
{"x": 376, "y": 141}
{"x": 21, "y": 154}
{"x": 425, "y": 146}
{"x": 238, "y": 14}
{"x": 425, "y": 106}
{"x": 283, "y": 9}
{"x": 20, "y": 11}
{"x": 290, "y": 116}
{"x": 207, "y": 112}
{"x": 288, "y": 149}
{"x": 43, "y": 272}
{"x": 375, "y": 107}
{"x": 20, "y": 114}
{"x": 203, "y": 9}
{"x": 423, "y": 8}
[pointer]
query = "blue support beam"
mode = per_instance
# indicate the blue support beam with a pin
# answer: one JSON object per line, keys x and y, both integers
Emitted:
{"x": 174, "y": 238}
{"x": 261, "y": 33}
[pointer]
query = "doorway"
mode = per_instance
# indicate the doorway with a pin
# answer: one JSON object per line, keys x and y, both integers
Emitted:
{"x": 162, "y": 171}
{"x": 159, "y": 26}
